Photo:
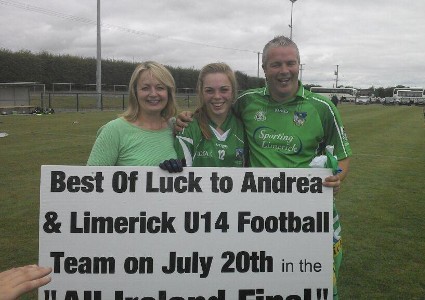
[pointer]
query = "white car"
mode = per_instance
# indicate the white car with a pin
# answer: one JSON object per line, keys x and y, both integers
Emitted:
{"x": 389, "y": 101}
{"x": 420, "y": 101}
{"x": 363, "y": 100}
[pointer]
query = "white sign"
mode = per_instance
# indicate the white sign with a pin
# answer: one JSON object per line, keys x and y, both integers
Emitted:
{"x": 140, "y": 233}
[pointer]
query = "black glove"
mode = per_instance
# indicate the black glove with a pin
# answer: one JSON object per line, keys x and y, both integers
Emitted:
{"x": 173, "y": 165}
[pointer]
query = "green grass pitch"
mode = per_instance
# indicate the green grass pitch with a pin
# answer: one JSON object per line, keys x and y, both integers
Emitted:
{"x": 381, "y": 203}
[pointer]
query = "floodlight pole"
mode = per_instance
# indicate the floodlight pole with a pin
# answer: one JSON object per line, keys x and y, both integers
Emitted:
{"x": 98, "y": 61}
{"x": 258, "y": 64}
{"x": 292, "y": 7}
{"x": 301, "y": 72}
{"x": 336, "y": 79}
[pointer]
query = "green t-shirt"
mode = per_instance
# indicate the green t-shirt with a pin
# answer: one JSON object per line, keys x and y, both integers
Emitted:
{"x": 120, "y": 143}
{"x": 221, "y": 150}
{"x": 292, "y": 133}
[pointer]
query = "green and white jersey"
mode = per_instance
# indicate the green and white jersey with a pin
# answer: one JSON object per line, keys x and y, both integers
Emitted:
{"x": 221, "y": 150}
{"x": 292, "y": 133}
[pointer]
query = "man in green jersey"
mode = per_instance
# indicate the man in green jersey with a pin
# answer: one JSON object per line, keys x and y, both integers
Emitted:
{"x": 287, "y": 125}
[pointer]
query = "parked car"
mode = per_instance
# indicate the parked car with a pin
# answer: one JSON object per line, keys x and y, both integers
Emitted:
{"x": 363, "y": 100}
{"x": 420, "y": 101}
{"x": 389, "y": 101}
{"x": 406, "y": 101}
{"x": 375, "y": 100}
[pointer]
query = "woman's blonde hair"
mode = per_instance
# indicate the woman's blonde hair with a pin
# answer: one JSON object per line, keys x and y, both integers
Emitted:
{"x": 201, "y": 112}
{"x": 162, "y": 75}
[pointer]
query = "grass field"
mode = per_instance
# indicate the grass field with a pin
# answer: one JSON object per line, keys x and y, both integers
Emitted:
{"x": 382, "y": 202}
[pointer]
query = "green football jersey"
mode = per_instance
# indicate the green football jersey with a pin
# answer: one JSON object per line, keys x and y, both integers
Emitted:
{"x": 221, "y": 150}
{"x": 290, "y": 134}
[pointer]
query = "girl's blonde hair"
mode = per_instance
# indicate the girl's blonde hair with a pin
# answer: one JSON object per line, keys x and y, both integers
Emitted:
{"x": 201, "y": 112}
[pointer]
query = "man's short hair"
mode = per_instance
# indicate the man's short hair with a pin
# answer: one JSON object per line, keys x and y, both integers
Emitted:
{"x": 279, "y": 41}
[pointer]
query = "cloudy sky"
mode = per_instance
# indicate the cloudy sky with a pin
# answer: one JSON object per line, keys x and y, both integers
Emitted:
{"x": 379, "y": 42}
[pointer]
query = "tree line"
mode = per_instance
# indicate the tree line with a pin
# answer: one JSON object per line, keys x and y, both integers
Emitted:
{"x": 47, "y": 68}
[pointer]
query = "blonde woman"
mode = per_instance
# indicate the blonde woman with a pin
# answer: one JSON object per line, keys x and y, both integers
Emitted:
{"x": 141, "y": 136}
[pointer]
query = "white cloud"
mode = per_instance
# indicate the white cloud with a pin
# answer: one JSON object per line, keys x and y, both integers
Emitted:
{"x": 374, "y": 42}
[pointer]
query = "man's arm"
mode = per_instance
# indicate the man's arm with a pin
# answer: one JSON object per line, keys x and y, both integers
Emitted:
{"x": 344, "y": 165}
{"x": 334, "y": 181}
{"x": 182, "y": 120}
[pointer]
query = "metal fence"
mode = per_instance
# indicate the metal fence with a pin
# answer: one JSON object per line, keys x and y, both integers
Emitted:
{"x": 92, "y": 101}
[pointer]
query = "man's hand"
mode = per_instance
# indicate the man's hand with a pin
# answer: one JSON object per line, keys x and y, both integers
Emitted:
{"x": 183, "y": 119}
{"x": 333, "y": 182}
